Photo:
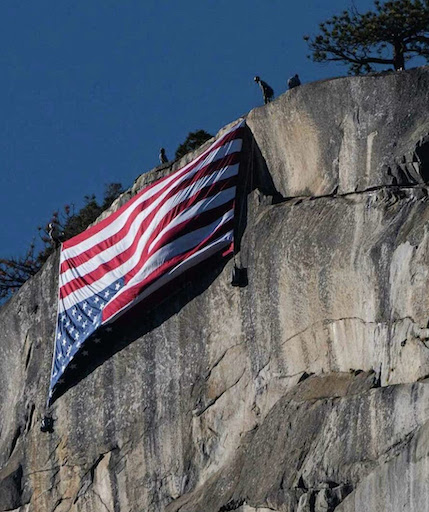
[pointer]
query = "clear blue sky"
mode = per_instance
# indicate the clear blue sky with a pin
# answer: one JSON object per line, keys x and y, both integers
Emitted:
{"x": 91, "y": 89}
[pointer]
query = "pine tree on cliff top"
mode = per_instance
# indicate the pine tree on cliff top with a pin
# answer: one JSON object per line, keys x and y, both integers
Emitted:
{"x": 393, "y": 33}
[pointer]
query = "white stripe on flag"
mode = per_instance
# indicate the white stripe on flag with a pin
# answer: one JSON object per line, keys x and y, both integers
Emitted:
{"x": 204, "y": 205}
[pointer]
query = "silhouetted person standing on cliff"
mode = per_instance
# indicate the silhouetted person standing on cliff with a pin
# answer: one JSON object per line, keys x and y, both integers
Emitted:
{"x": 162, "y": 156}
{"x": 293, "y": 81}
{"x": 53, "y": 235}
{"x": 267, "y": 91}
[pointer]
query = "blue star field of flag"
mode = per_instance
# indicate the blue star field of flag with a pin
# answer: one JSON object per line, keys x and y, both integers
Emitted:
{"x": 76, "y": 325}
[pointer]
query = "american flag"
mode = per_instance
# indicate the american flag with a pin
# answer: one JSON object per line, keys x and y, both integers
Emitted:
{"x": 167, "y": 228}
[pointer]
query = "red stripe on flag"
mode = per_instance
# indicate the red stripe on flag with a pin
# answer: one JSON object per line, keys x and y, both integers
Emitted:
{"x": 199, "y": 221}
{"x": 122, "y": 257}
{"x": 125, "y": 298}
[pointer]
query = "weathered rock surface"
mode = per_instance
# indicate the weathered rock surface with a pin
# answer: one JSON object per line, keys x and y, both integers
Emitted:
{"x": 346, "y": 135}
{"x": 305, "y": 390}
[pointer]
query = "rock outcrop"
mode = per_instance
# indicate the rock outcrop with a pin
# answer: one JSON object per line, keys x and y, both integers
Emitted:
{"x": 304, "y": 391}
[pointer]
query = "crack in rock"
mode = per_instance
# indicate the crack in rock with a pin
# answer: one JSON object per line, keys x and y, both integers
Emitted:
{"x": 199, "y": 411}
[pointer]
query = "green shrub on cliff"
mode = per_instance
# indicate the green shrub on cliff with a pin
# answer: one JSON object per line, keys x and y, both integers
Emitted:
{"x": 193, "y": 141}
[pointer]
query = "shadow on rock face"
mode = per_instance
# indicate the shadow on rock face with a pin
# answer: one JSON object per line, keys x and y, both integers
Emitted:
{"x": 422, "y": 154}
{"x": 413, "y": 167}
{"x": 12, "y": 494}
{"x": 138, "y": 321}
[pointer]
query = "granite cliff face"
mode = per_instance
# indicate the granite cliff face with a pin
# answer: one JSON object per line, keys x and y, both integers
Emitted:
{"x": 304, "y": 391}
